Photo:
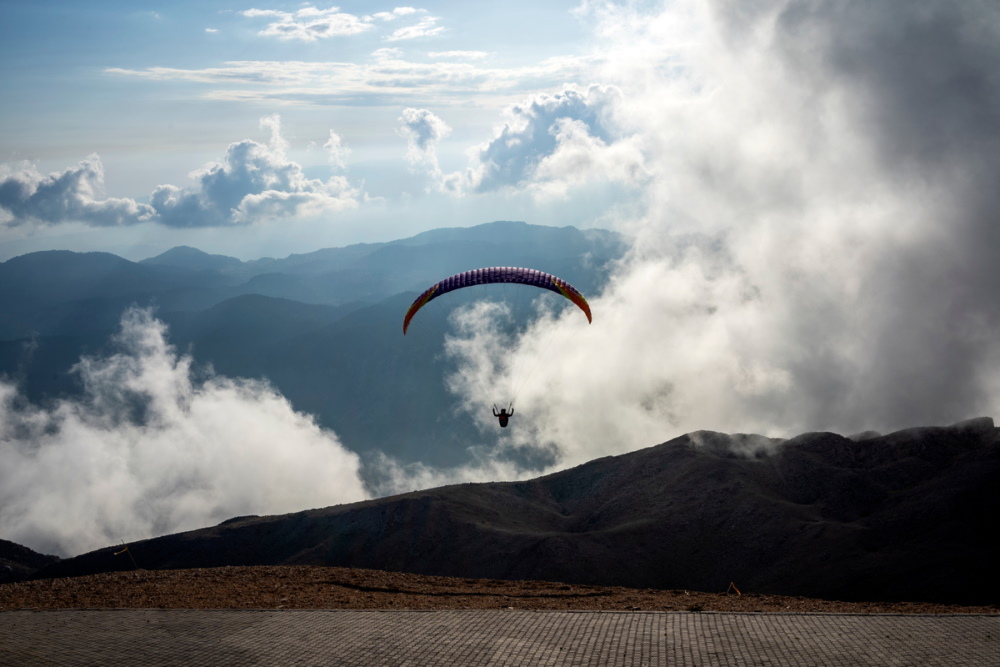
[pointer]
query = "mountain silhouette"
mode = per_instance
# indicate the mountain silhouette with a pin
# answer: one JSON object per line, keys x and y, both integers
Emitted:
{"x": 18, "y": 562}
{"x": 187, "y": 257}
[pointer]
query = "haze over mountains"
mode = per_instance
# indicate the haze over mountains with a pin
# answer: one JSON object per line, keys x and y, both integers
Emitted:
{"x": 322, "y": 327}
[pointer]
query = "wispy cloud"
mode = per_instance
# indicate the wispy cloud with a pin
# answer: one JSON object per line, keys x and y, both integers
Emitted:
{"x": 337, "y": 150}
{"x": 422, "y": 130}
{"x": 388, "y": 77}
{"x": 309, "y": 23}
{"x": 427, "y": 27}
{"x": 260, "y": 72}
{"x": 462, "y": 55}
{"x": 396, "y": 13}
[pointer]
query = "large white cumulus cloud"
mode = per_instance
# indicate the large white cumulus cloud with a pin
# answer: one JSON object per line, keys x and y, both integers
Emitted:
{"x": 548, "y": 145}
{"x": 551, "y": 139}
{"x": 151, "y": 450}
{"x": 254, "y": 182}
{"x": 821, "y": 243}
{"x": 73, "y": 195}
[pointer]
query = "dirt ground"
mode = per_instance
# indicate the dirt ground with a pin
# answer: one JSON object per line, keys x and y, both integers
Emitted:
{"x": 345, "y": 588}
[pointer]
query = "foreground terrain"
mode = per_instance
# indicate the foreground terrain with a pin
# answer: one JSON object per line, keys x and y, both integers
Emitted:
{"x": 904, "y": 516}
{"x": 306, "y": 587}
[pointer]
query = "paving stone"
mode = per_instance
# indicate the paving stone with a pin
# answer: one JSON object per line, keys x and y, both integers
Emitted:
{"x": 478, "y": 637}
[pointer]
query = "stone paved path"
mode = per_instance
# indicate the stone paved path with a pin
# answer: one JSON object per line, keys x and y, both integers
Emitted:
{"x": 195, "y": 637}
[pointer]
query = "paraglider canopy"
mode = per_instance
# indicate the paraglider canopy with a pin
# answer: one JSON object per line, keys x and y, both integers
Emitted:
{"x": 498, "y": 274}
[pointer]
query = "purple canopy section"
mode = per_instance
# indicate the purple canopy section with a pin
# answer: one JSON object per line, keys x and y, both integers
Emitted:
{"x": 498, "y": 274}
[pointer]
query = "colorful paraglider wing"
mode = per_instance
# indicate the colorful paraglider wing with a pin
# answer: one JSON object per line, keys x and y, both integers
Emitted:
{"x": 498, "y": 274}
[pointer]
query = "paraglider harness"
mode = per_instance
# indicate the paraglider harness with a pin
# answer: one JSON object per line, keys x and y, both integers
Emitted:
{"x": 504, "y": 414}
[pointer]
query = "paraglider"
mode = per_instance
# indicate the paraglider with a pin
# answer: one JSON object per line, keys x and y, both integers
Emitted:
{"x": 498, "y": 274}
{"x": 503, "y": 415}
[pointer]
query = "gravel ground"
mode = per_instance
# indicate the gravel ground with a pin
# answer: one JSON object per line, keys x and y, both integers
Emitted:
{"x": 346, "y": 588}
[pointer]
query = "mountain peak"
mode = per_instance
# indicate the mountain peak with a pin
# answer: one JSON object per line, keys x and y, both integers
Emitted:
{"x": 191, "y": 258}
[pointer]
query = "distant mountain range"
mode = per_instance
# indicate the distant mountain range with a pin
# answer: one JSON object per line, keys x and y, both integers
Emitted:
{"x": 907, "y": 516}
{"x": 323, "y": 327}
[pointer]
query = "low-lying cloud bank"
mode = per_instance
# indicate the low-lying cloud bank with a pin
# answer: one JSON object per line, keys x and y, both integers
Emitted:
{"x": 821, "y": 244}
{"x": 154, "y": 447}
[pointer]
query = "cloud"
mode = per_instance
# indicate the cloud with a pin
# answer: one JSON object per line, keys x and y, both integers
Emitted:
{"x": 253, "y": 183}
{"x": 28, "y": 197}
{"x": 422, "y": 130}
{"x": 462, "y": 55}
{"x": 396, "y": 13}
{"x": 387, "y": 54}
{"x": 387, "y": 79}
{"x": 580, "y": 158}
{"x": 396, "y": 478}
{"x": 337, "y": 150}
{"x": 527, "y": 137}
{"x": 551, "y": 143}
{"x": 309, "y": 23}
{"x": 252, "y": 72}
{"x": 426, "y": 27}
{"x": 819, "y": 248}
{"x": 155, "y": 447}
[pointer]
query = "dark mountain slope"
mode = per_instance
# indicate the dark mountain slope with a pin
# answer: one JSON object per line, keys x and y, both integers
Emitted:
{"x": 379, "y": 390}
{"x": 66, "y": 293}
{"x": 906, "y": 516}
{"x": 18, "y": 562}
{"x": 42, "y": 366}
{"x": 241, "y": 326}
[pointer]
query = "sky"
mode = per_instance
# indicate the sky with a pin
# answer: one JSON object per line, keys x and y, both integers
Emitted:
{"x": 811, "y": 186}
{"x": 260, "y": 130}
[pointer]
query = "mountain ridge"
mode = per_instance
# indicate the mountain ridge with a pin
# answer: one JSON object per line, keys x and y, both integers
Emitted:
{"x": 897, "y": 517}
